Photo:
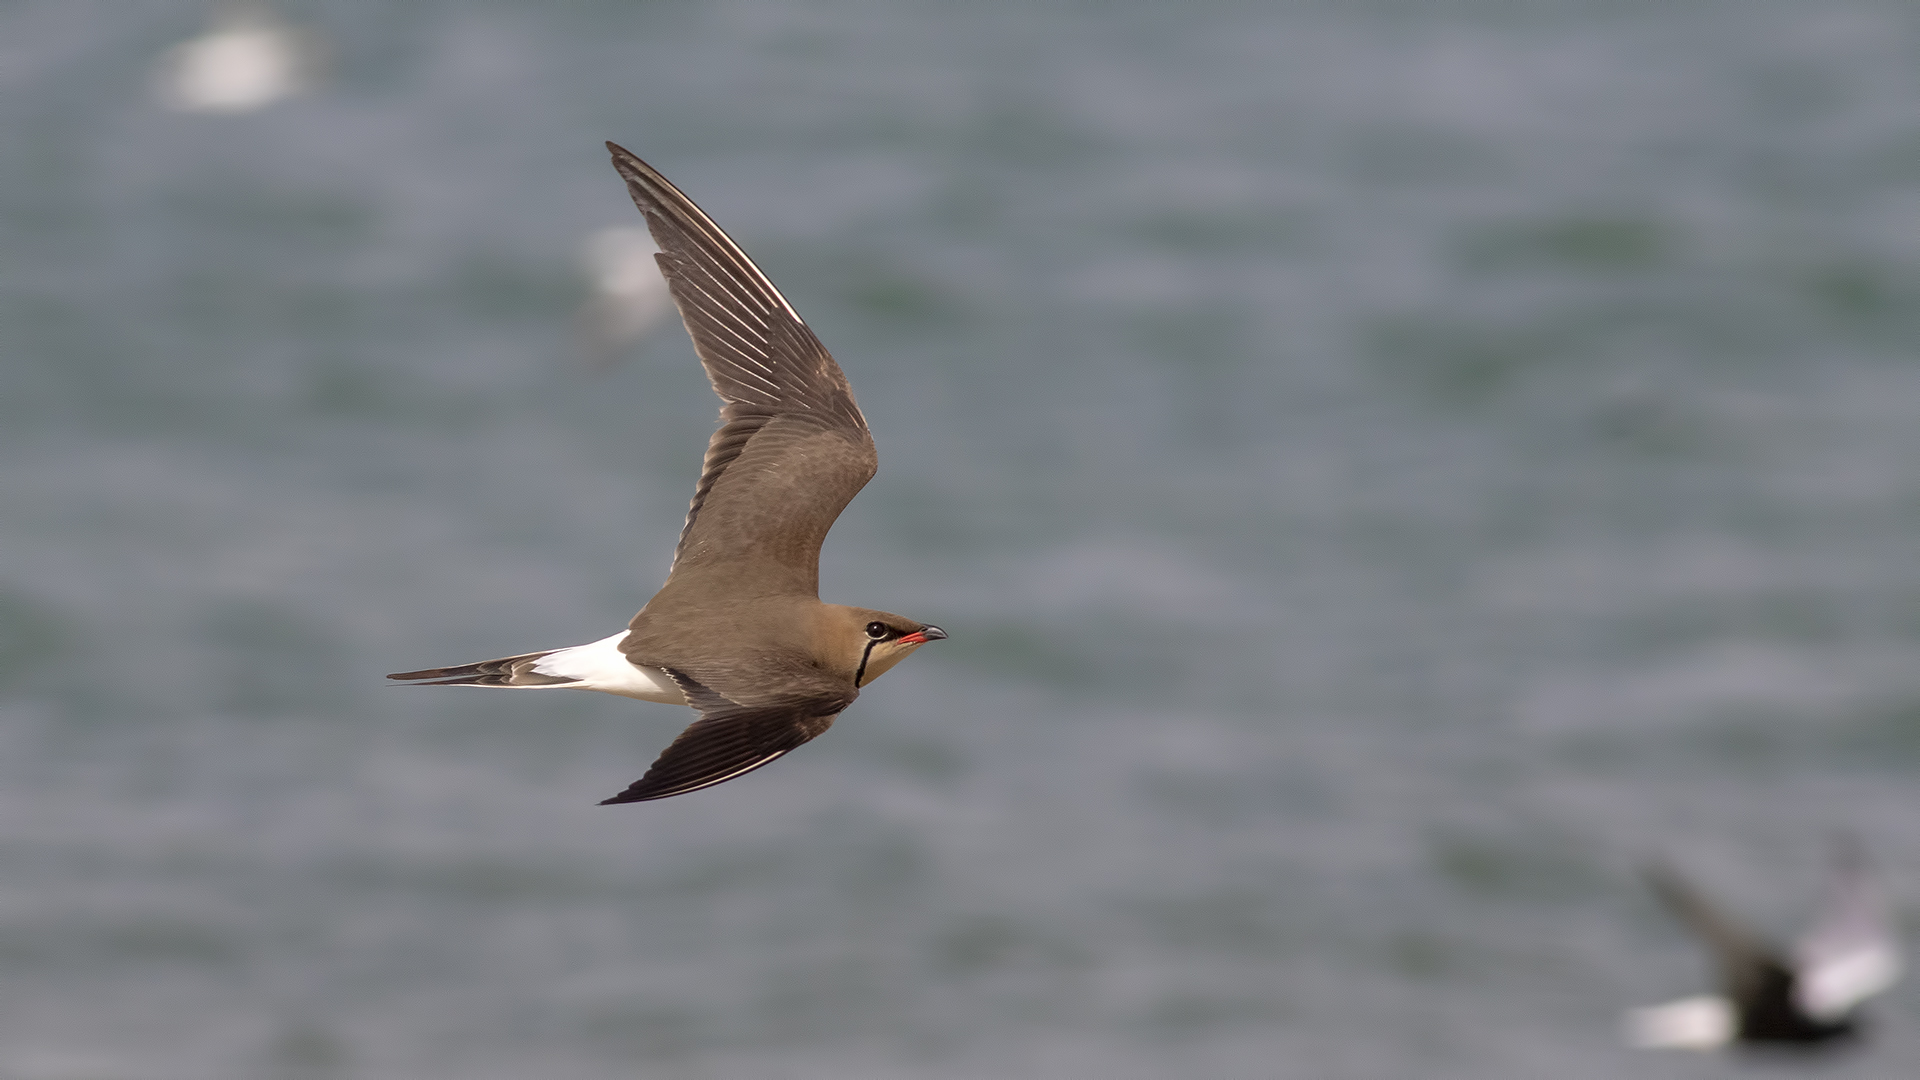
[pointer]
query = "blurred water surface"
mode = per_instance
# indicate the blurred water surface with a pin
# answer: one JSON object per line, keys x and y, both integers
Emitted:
{"x": 1386, "y": 467}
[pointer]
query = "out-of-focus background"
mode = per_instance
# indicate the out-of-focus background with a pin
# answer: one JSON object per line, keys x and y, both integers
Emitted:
{"x": 1387, "y": 469}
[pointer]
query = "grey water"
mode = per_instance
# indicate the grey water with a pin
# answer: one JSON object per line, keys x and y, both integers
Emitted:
{"x": 1387, "y": 467}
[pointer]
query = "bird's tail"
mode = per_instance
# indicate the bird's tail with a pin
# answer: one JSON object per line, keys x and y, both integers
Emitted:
{"x": 506, "y": 671}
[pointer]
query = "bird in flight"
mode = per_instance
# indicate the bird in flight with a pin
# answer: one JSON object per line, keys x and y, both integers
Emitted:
{"x": 738, "y": 632}
{"x": 1808, "y": 996}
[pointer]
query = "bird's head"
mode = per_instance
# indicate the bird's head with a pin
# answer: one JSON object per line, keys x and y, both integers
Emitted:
{"x": 877, "y": 640}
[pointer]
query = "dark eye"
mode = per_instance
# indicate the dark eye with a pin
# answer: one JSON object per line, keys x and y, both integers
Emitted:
{"x": 877, "y": 630}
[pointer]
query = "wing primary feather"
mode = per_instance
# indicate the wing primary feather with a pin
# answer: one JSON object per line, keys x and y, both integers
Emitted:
{"x": 766, "y": 365}
{"x": 1746, "y": 960}
{"x": 709, "y": 752}
{"x": 728, "y": 740}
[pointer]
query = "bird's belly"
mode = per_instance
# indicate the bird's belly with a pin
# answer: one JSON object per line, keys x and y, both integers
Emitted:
{"x": 601, "y": 666}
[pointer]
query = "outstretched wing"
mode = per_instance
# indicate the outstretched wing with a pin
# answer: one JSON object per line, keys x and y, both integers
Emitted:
{"x": 1746, "y": 962}
{"x": 730, "y": 740}
{"x": 1853, "y": 950}
{"x": 792, "y": 449}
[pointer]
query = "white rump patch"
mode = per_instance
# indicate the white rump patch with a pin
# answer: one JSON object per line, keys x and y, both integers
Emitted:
{"x": 601, "y": 666}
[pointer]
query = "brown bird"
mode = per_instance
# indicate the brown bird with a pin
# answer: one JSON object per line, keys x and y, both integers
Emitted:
{"x": 738, "y": 632}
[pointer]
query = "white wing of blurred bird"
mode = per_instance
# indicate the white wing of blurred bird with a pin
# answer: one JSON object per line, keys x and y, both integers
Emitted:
{"x": 630, "y": 297}
{"x": 1853, "y": 950}
{"x": 248, "y": 59}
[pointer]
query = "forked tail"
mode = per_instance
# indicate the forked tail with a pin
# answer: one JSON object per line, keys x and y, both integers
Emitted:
{"x": 506, "y": 671}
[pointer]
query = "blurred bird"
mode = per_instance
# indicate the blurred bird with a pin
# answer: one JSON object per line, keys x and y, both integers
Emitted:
{"x": 248, "y": 59}
{"x": 1808, "y": 996}
{"x": 630, "y": 298}
{"x": 738, "y": 632}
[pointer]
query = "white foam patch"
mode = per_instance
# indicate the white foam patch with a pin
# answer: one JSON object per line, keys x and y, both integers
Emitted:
{"x": 245, "y": 62}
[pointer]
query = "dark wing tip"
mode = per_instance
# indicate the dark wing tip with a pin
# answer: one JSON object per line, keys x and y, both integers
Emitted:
{"x": 630, "y": 167}
{"x": 446, "y": 676}
{"x": 728, "y": 741}
{"x": 681, "y": 778}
